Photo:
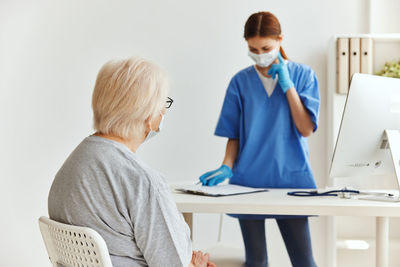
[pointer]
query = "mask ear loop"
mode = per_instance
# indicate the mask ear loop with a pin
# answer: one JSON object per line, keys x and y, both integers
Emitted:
{"x": 159, "y": 124}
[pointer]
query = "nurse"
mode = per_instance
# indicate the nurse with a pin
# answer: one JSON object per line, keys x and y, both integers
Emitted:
{"x": 269, "y": 110}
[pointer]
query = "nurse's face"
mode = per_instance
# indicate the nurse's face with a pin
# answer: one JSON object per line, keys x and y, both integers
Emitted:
{"x": 261, "y": 45}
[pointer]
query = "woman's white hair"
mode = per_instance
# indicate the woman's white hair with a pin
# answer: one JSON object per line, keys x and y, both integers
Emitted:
{"x": 127, "y": 92}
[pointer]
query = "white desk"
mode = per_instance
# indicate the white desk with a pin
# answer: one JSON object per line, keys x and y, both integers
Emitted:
{"x": 276, "y": 201}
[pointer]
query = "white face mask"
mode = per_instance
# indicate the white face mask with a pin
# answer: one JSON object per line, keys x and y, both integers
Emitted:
{"x": 265, "y": 59}
{"x": 152, "y": 133}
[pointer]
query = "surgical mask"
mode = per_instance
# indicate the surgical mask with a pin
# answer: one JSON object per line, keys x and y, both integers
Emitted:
{"x": 152, "y": 133}
{"x": 265, "y": 59}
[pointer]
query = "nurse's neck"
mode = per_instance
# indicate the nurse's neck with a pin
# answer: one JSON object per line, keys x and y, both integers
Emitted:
{"x": 264, "y": 70}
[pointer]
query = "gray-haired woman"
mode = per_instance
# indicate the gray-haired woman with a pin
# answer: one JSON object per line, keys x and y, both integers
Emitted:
{"x": 105, "y": 186}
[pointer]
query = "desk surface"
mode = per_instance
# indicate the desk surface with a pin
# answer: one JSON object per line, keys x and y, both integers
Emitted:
{"x": 276, "y": 201}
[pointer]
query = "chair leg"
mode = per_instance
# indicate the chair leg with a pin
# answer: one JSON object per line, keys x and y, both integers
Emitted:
{"x": 221, "y": 219}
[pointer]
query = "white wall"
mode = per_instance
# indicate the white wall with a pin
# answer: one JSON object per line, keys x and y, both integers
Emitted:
{"x": 50, "y": 52}
{"x": 384, "y": 16}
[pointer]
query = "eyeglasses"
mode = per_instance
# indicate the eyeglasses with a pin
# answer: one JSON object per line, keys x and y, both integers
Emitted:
{"x": 169, "y": 102}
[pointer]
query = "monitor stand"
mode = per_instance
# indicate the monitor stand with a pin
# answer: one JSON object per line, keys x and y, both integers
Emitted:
{"x": 390, "y": 141}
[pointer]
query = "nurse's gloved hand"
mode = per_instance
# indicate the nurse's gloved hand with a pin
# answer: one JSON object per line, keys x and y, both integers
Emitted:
{"x": 216, "y": 176}
{"x": 283, "y": 74}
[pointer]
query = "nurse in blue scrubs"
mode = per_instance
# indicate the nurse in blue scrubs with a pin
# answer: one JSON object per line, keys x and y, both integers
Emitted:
{"x": 269, "y": 110}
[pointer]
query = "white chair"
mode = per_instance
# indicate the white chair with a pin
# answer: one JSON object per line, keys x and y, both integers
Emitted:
{"x": 71, "y": 246}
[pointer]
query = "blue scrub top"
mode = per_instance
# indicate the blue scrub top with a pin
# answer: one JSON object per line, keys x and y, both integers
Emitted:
{"x": 272, "y": 152}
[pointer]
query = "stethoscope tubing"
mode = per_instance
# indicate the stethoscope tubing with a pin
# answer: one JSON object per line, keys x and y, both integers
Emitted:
{"x": 335, "y": 193}
{"x": 315, "y": 193}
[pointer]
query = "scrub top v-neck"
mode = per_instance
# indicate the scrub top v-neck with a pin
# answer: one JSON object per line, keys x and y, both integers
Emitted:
{"x": 268, "y": 83}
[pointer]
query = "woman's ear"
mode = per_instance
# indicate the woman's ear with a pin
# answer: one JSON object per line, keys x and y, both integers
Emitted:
{"x": 147, "y": 124}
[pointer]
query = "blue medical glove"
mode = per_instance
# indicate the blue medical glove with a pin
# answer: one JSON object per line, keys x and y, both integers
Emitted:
{"x": 216, "y": 176}
{"x": 283, "y": 74}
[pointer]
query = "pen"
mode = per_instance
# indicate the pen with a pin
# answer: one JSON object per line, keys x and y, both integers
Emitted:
{"x": 211, "y": 176}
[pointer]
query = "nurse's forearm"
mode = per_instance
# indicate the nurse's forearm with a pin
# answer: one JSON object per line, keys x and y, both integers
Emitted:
{"x": 232, "y": 148}
{"x": 300, "y": 115}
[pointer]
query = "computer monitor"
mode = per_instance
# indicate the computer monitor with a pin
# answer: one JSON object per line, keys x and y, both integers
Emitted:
{"x": 368, "y": 142}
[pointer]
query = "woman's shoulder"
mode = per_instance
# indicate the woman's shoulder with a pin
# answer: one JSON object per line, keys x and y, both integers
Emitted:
{"x": 299, "y": 67}
{"x": 241, "y": 77}
{"x": 244, "y": 72}
{"x": 123, "y": 163}
{"x": 144, "y": 175}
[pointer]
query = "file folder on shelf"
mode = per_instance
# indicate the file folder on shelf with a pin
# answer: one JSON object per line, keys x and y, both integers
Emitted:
{"x": 342, "y": 63}
{"x": 366, "y": 56}
{"x": 354, "y": 57}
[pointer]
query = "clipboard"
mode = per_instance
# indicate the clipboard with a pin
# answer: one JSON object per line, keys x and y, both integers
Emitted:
{"x": 219, "y": 190}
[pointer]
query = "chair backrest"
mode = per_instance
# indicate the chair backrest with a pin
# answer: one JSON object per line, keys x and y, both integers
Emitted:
{"x": 71, "y": 246}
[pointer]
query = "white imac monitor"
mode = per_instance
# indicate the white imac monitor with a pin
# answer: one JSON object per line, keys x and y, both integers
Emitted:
{"x": 368, "y": 142}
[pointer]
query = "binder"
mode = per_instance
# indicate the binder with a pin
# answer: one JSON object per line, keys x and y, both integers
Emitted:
{"x": 366, "y": 55}
{"x": 342, "y": 64}
{"x": 355, "y": 59}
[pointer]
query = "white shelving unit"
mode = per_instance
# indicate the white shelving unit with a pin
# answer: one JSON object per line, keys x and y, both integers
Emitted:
{"x": 386, "y": 48}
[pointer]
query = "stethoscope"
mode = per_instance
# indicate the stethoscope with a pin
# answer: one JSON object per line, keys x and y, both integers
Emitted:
{"x": 342, "y": 193}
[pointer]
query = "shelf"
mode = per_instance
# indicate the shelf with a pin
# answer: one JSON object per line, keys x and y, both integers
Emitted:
{"x": 343, "y": 244}
{"x": 377, "y": 37}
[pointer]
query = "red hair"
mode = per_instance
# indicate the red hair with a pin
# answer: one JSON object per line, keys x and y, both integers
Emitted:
{"x": 263, "y": 24}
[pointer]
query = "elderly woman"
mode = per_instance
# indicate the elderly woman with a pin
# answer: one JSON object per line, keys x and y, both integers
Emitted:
{"x": 104, "y": 185}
